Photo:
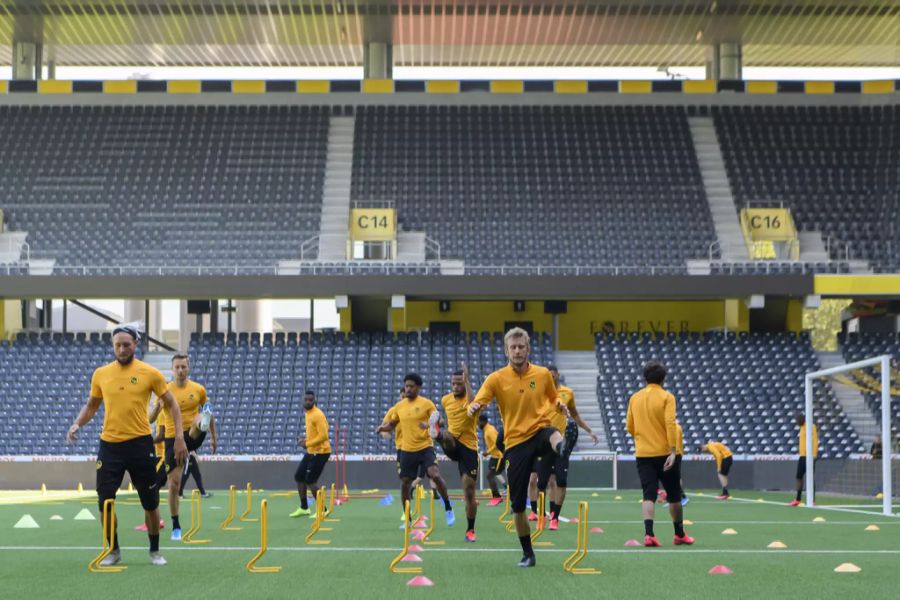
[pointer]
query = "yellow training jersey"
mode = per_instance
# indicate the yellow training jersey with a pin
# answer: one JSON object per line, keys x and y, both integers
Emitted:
{"x": 720, "y": 451}
{"x": 190, "y": 398}
{"x": 651, "y": 421}
{"x": 317, "y": 432}
{"x": 408, "y": 414}
{"x": 490, "y": 441}
{"x": 125, "y": 391}
{"x": 459, "y": 423}
{"x": 524, "y": 400}
{"x": 815, "y": 441}
{"x": 679, "y": 439}
{"x": 558, "y": 419}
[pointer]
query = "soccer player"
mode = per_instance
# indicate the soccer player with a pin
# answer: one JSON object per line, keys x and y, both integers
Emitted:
{"x": 416, "y": 448}
{"x": 193, "y": 470}
{"x": 318, "y": 451}
{"x": 196, "y": 419}
{"x": 124, "y": 387}
{"x": 651, "y": 422}
{"x": 556, "y": 471}
{"x": 523, "y": 392}
{"x": 460, "y": 440}
{"x": 679, "y": 453}
{"x": 495, "y": 464}
{"x": 723, "y": 464}
{"x": 800, "y": 418}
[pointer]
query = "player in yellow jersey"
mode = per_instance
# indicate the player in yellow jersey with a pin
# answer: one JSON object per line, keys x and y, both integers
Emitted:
{"x": 416, "y": 448}
{"x": 124, "y": 387}
{"x": 524, "y": 392}
{"x": 555, "y": 473}
{"x": 318, "y": 451}
{"x": 494, "y": 454}
{"x": 801, "y": 464}
{"x": 722, "y": 454}
{"x": 651, "y": 422}
{"x": 197, "y": 420}
{"x": 460, "y": 440}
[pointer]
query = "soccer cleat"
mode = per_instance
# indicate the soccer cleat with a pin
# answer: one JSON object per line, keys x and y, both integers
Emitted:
{"x": 157, "y": 559}
{"x": 682, "y": 540}
{"x": 470, "y": 536}
{"x": 661, "y": 496}
{"x": 685, "y": 500}
{"x": 723, "y": 497}
{"x": 451, "y": 518}
{"x": 434, "y": 425}
{"x": 112, "y": 558}
{"x": 794, "y": 503}
{"x": 206, "y": 495}
{"x": 554, "y": 524}
{"x": 526, "y": 561}
{"x": 532, "y": 516}
{"x": 299, "y": 513}
{"x": 176, "y": 535}
{"x": 651, "y": 542}
{"x": 495, "y": 501}
{"x": 206, "y": 416}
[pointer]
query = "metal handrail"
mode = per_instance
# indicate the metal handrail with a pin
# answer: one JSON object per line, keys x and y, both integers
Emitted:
{"x": 715, "y": 244}
{"x": 373, "y": 204}
{"x": 307, "y": 246}
{"x": 433, "y": 246}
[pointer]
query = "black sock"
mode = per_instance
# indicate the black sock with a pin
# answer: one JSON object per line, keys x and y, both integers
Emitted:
{"x": 154, "y": 542}
{"x": 648, "y": 526}
{"x": 115, "y": 542}
{"x": 799, "y": 493}
{"x": 303, "y": 502}
{"x": 558, "y": 509}
{"x": 175, "y": 523}
{"x": 525, "y": 540}
{"x": 195, "y": 471}
{"x": 679, "y": 528}
{"x": 470, "y": 523}
{"x": 495, "y": 491}
{"x": 554, "y": 509}
{"x": 534, "y": 506}
{"x": 447, "y": 506}
{"x": 434, "y": 494}
{"x": 725, "y": 491}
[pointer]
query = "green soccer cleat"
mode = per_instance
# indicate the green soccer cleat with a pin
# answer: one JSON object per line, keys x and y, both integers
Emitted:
{"x": 300, "y": 512}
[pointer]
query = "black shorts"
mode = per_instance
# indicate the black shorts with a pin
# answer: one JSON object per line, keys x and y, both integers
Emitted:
{"x": 558, "y": 464}
{"x": 726, "y": 465}
{"x": 520, "y": 462}
{"x": 191, "y": 443}
{"x": 413, "y": 464}
{"x": 496, "y": 465}
{"x": 465, "y": 458}
{"x": 651, "y": 473}
{"x": 310, "y": 468}
{"x": 801, "y": 467}
{"x": 137, "y": 457}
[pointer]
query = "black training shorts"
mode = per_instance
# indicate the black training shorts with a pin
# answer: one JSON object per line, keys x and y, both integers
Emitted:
{"x": 465, "y": 458}
{"x": 725, "y": 468}
{"x": 310, "y": 468}
{"x": 137, "y": 457}
{"x": 558, "y": 464}
{"x": 497, "y": 465}
{"x": 191, "y": 443}
{"x": 801, "y": 467}
{"x": 520, "y": 462}
{"x": 651, "y": 473}
{"x": 416, "y": 463}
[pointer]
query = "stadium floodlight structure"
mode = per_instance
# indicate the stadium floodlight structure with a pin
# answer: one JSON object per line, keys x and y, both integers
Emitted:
{"x": 884, "y": 362}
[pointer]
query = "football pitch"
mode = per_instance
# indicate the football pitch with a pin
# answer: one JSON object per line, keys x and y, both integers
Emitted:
{"x": 50, "y": 560}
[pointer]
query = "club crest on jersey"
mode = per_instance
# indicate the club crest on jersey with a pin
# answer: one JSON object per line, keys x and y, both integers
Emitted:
{"x": 134, "y": 381}
{"x": 190, "y": 397}
{"x": 99, "y": 464}
{"x": 532, "y": 385}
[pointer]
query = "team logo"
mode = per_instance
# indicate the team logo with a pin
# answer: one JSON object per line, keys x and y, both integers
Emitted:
{"x": 532, "y": 385}
{"x": 134, "y": 381}
{"x": 99, "y": 464}
{"x": 191, "y": 397}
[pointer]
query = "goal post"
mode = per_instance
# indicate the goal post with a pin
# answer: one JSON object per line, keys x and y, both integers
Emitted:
{"x": 884, "y": 362}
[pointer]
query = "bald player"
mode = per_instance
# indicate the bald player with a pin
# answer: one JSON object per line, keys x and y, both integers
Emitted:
{"x": 524, "y": 393}
{"x": 124, "y": 387}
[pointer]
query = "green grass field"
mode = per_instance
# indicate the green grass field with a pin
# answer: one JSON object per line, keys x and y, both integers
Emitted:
{"x": 51, "y": 561}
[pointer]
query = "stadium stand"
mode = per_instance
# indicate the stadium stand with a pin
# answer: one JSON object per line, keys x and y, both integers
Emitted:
{"x": 859, "y": 346}
{"x": 177, "y": 187}
{"x": 255, "y": 382}
{"x": 742, "y": 389}
{"x": 583, "y": 183}
{"x": 834, "y": 167}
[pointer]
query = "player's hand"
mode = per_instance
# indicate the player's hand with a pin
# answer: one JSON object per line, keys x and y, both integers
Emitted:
{"x": 465, "y": 371}
{"x": 423, "y": 425}
{"x": 561, "y": 406}
{"x": 70, "y": 436}
{"x": 594, "y": 438}
{"x": 474, "y": 407}
{"x": 670, "y": 462}
{"x": 181, "y": 453}
{"x": 301, "y": 442}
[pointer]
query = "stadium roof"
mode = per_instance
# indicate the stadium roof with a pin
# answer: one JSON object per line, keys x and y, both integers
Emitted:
{"x": 593, "y": 33}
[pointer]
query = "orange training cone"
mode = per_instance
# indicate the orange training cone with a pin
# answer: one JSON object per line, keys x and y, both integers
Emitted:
{"x": 720, "y": 570}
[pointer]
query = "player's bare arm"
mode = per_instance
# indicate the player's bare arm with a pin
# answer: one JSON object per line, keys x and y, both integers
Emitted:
{"x": 84, "y": 417}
